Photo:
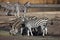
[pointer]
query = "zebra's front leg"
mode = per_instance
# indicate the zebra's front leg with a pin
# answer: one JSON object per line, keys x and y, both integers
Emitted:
{"x": 46, "y": 31}
{"x": 21, "y": 30}
{"x": 28, "y": 33}
{"x": 43, "y": 33}
{"x": 31, "y": 32}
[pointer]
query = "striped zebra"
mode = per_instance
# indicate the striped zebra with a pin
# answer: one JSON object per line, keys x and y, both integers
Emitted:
{"x": 36, "y": 23}
{"x": 17, "y": 24}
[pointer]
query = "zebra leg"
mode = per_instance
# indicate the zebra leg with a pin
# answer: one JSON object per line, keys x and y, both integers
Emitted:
{"x": 31, "y": 32}
{"x": 11, "y": 31}
{"x": 16, "y": 31}
{"x": 21, "y": 30}
{"x": 28, "y": 33}
{"x": 46, "y": 30}
{"x": 36, "y": 29}
{"x": 43, "y": 30}
{"x": 43, "y": 33}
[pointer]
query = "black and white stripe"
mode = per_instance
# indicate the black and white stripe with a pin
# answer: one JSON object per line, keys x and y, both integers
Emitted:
{"x": 36, "y": 23}
{"x": 18, "y": 24}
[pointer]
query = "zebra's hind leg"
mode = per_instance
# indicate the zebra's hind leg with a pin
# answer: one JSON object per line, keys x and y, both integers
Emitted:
{"x": 31, "y": 32}
{"x": 13, "y": 32}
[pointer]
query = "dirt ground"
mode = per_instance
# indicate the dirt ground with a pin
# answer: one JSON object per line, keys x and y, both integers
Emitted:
{"x": 28, "y": 38}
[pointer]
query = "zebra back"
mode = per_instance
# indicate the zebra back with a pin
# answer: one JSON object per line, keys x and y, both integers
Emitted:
{"x": 36, "y": 22}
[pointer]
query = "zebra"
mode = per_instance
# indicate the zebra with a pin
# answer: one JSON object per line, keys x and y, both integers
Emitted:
{"x": 17, "y": 25}
{"x": 35, "y": 23}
